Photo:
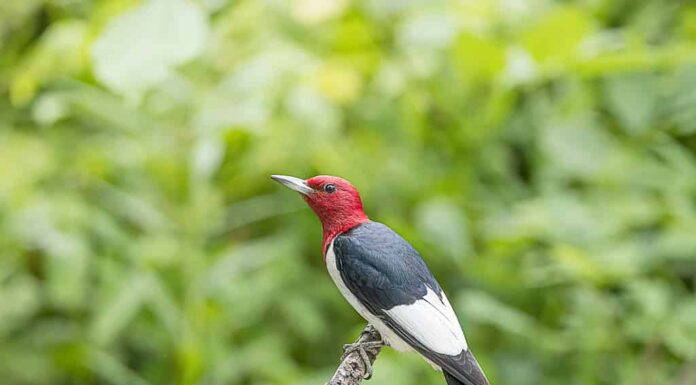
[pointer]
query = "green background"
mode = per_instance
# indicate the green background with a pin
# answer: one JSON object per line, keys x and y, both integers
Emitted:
{"x": 540, "y": 154}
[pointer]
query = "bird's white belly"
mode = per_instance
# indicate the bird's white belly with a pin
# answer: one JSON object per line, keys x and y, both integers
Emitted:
{"x": 388, "y": 336}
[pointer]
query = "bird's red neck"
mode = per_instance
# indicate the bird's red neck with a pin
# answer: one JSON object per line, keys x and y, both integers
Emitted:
{"x": 333, "y": 228}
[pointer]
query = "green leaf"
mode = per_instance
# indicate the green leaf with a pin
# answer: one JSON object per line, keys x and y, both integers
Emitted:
{"x": 484, "y": 308}
{"x": 558, "y": 34}
{"x": 478, "y": 58}
{"x": 19, "y": 301}
{"x": 141, "y": 47}
{"x": 445, "y": 226}
{"x": 633, "y": 99}
{"x": 115, "y": 314}
{"x": 59, "y": 53}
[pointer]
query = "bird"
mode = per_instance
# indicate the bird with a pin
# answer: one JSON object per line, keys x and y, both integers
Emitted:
{"x": 386, "y": 281}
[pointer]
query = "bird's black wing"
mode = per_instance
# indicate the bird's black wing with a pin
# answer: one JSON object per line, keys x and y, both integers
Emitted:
{"x": 388, "y": 276}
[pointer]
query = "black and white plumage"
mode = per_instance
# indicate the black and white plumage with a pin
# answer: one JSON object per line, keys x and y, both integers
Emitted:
{"x": 384, "y": 278}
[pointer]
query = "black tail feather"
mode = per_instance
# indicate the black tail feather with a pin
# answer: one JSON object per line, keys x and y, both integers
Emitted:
{"x": 467, "y": 372}
{"x": 452, "y": 380}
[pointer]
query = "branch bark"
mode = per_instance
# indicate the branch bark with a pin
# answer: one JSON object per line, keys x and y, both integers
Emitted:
{"x": 352, "y": 369}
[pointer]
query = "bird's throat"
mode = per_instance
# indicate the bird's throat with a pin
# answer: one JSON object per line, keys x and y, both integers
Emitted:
{"x": 332, "y": 227}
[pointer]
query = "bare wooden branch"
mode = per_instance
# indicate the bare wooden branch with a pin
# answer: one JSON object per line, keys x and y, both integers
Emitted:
{"x": 352, "y": 369}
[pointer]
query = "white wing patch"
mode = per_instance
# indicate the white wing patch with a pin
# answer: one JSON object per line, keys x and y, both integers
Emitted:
{"x": 432, "y": 322}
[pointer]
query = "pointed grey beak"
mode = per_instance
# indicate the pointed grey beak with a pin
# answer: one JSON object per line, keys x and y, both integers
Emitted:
{"x": 293, "y": 183}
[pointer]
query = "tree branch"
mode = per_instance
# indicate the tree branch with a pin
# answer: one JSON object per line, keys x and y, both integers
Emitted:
{"x": 352, "y": 369}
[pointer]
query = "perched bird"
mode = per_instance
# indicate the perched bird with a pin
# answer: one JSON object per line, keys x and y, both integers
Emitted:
{"x": 385, "y": 279}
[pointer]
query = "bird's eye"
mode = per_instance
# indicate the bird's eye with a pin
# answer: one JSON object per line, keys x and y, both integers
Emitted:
{"x": 329, "y": 188}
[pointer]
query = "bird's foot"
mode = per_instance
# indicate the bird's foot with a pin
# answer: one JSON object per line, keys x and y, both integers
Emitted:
{"x": 362, "y": 348}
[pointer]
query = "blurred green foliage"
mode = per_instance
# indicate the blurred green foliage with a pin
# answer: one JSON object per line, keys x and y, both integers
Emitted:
{"x": 540, "y": 154}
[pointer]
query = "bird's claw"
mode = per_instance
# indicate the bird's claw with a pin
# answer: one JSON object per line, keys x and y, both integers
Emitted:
{"x": 361, "y": 348}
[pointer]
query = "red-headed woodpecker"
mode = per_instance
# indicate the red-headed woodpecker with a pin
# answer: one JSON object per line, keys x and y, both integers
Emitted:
{"x": 384, "y": 278}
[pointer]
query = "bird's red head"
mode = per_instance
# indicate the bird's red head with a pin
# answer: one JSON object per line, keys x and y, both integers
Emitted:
{"x": 335, "y": 201}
